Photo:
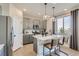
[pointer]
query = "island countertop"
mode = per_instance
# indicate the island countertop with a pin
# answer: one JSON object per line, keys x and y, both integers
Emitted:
{"x": 39, "y": 40}
{"x": 40, "y": 37}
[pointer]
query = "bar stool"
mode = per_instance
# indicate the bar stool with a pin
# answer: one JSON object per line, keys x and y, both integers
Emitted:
{"x": 61, "y": 42}
{"x": 51, "y": 46}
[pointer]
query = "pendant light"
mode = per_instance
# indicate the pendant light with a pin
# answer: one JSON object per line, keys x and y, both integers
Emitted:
{"x": 53, "y": 17}
{"x": 45, "y": 16}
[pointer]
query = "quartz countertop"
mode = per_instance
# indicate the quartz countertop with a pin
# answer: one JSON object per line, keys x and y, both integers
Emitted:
{"x": 28, "y": 33}
{"x": 47, "y": 37}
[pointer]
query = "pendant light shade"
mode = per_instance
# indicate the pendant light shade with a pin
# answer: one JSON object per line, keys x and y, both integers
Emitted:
{"x": 53, "y": 16}
{"x": 53, "y": 11}
{"x": 45, "y": 7}
{"x": 45, "y": 15}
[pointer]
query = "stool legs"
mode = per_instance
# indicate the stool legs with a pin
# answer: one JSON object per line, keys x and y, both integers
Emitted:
{"x": 50, "y": 53}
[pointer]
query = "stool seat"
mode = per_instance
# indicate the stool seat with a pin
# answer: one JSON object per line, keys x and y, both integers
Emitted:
{"x": 48, "y": 45}
{"x": 51, "y": 45}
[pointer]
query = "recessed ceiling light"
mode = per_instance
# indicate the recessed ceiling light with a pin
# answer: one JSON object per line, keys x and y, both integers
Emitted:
{"x": 25, "y": 10}
{"x": 54, "y": 3}
{"x": 39, "y": 14}
{"x": 65, "y": 9}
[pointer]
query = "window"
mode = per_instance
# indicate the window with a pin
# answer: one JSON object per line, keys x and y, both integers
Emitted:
{"x": 59, "y": 25}
{"x": 64, "y": 25}
{"x": 67, "y": 24}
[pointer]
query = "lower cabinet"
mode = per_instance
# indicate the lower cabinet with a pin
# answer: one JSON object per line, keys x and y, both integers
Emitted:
{"x": 27, "y": 39}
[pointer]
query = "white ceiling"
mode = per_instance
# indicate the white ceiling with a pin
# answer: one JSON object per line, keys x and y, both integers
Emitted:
{"x": 34, "y": 8}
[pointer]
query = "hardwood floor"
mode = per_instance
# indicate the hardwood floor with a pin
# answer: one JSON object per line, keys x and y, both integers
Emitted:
{"x": 27, "y": 50}
{"x": 69, "y": 51}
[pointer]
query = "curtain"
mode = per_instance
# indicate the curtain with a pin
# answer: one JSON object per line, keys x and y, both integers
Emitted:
{"x": 73, "y": 40}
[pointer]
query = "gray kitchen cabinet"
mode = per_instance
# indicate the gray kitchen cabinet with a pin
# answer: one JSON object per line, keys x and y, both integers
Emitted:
{"x": 27, "y": 39}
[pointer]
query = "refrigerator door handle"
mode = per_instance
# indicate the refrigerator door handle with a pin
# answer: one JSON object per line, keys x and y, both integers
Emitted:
{"x": 11, "y": 40}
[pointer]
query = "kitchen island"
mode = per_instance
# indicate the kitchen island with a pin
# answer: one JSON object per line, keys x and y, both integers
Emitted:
{"x": 39, "y": 40}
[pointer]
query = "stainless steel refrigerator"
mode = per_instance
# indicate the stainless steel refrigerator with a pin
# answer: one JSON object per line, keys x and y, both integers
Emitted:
{"x": 6, "y": 34}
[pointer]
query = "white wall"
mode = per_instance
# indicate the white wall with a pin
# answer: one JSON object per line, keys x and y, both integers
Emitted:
{"x": 17, "y": 18}
{"x": 49, "y": 26}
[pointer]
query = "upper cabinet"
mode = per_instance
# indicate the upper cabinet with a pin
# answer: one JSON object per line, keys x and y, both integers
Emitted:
{"x": 30, "y": 23}
{"x": 27, "y": 23}
{"x": 4, "y": 9}
{"x": 7, "y": 9}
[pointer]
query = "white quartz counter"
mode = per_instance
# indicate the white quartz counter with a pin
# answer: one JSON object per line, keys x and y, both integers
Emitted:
{"x": 40, "y": 37}
{"x": 43, "y": 39}
{"x": 28, "y": 32}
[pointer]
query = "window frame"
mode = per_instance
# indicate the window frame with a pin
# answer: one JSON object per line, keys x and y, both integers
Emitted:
{"x": 63, "y": 22}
